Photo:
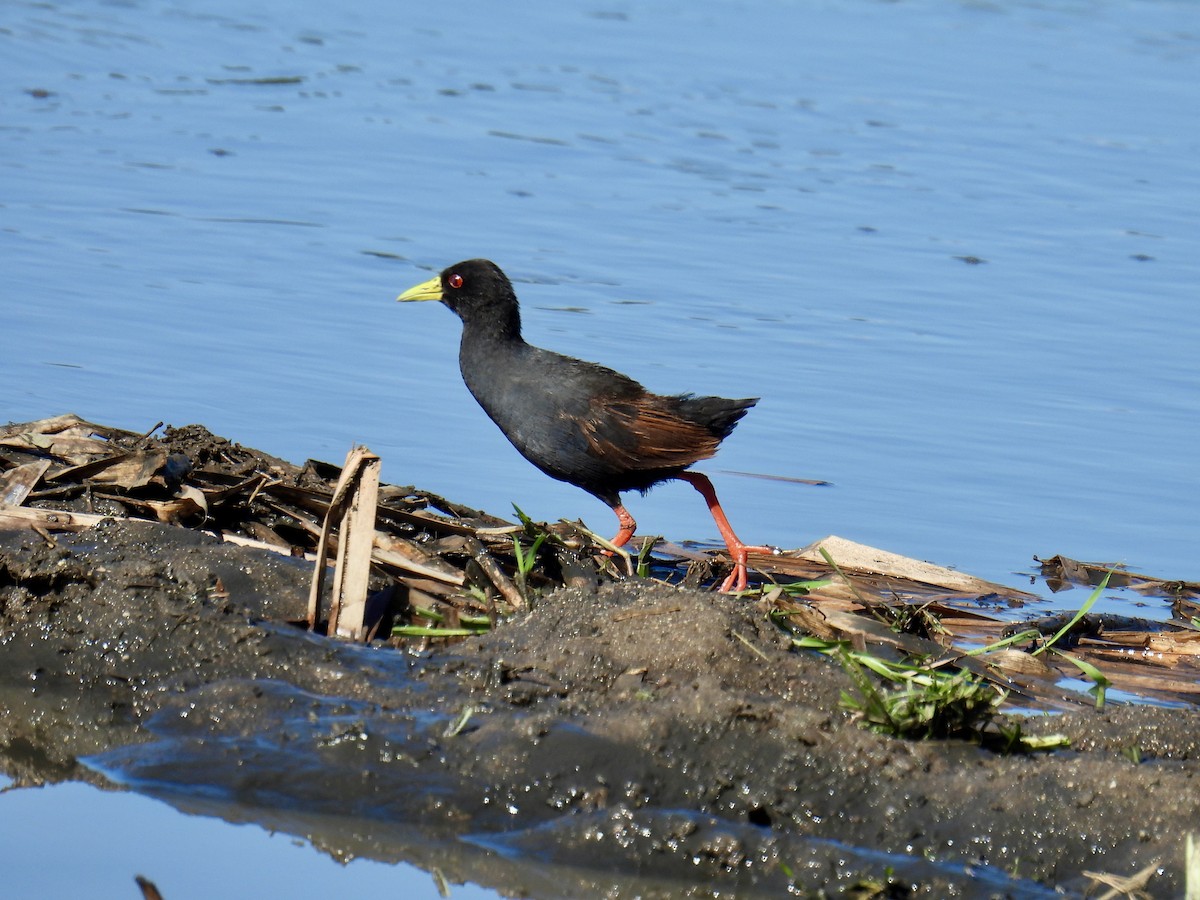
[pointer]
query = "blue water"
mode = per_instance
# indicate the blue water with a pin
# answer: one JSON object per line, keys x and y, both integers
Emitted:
{"x": 206, "y": 214}
{"x": 744, "y": 199}
{"x": 100, "y": 841}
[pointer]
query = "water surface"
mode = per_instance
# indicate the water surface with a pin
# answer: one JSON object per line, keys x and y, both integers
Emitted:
{"x": 952, "y": 246}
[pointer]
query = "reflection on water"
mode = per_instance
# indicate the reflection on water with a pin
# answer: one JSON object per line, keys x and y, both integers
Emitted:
{"x": 115, "y": 836}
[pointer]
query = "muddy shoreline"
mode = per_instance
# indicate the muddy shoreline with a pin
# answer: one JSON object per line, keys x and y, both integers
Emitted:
{"x": 618, "y": 739}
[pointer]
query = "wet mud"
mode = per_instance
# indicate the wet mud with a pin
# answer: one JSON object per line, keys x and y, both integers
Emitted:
{"x": 617, "y": 739}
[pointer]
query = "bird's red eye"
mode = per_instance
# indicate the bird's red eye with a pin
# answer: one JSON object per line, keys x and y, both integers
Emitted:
{"x": 455, "y": 281}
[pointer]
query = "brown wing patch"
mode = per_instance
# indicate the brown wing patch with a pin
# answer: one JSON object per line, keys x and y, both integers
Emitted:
{"x": 643, "y": 434}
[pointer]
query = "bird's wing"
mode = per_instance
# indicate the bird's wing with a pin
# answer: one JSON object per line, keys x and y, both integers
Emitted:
{"x": 644, "y": 434}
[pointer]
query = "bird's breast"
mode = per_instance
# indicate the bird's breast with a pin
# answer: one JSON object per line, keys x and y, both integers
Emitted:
{"x": 542, "y": 402}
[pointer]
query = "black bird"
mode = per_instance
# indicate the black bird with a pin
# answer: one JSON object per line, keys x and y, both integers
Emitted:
{"x": 578, "y": 421}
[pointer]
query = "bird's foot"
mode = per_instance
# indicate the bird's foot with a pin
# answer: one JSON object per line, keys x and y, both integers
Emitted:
{"x": 739, "y": 578}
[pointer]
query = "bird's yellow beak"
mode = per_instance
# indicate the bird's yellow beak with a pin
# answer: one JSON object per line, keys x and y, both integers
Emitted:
{"x": 426, "y": 290}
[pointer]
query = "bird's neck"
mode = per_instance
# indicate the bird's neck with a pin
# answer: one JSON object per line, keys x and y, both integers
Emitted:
{"x": 499, "y": 327}
{"x": 484, "y": 356}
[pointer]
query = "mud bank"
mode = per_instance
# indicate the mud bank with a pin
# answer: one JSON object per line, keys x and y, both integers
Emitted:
{"x": 625, "y": 739}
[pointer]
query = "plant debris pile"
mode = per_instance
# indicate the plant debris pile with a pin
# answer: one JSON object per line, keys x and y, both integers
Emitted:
{"x": 598, "y": 732}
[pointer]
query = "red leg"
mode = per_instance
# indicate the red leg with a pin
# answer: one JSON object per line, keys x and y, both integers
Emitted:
{"x": 628, "y": 526}
{"x": 738, "y": 551}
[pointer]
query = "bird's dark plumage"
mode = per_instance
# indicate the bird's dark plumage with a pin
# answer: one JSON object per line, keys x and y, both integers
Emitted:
{"x": 577, "y": 421}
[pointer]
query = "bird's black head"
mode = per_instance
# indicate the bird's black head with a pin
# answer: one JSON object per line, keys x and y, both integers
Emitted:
{"x": 477, "y": 291}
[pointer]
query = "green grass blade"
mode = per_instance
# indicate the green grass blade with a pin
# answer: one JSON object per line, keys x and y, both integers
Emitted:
{"x": 1083, "y": 610}
{"x": 1027, "y": 635}
{"x": 426, "y": 631}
